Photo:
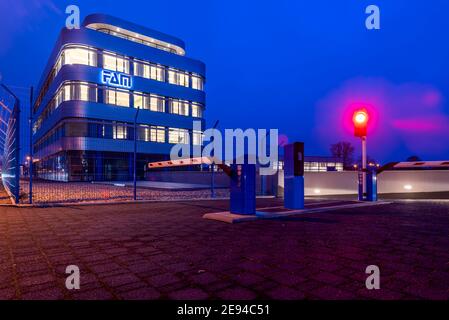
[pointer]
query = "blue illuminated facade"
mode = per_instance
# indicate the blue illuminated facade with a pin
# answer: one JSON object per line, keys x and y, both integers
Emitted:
{"x": 96, "y": 79}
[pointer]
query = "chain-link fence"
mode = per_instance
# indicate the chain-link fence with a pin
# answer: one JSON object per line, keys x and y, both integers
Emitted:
{"x": 88, "y": 160}
{"x": 10, "y": 142}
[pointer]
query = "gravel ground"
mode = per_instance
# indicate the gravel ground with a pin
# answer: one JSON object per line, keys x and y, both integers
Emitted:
{"x": 64, "y": 192}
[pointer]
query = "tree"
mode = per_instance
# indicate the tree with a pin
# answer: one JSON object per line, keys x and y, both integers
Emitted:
{"x": 413, "y": 159}
{"x": 344, "y": 151}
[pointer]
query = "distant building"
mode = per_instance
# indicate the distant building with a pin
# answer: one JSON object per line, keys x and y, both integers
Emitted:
{"x": 318, "y": 164}
{"x": 96, "y": 79}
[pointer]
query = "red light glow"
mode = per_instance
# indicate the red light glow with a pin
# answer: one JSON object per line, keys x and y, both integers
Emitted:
{"x": 360, "y": 117}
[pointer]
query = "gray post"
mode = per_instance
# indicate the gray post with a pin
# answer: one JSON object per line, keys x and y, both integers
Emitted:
{"x": 212, "y": 177}
{"x": 135, "y": 156}
{"x": 30, "y": 171}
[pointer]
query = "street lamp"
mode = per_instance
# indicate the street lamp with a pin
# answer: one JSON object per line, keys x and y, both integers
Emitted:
{"x": 360, "y": 120}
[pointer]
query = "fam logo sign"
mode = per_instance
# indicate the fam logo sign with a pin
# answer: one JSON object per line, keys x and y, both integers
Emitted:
{"x": 116, "y": 79}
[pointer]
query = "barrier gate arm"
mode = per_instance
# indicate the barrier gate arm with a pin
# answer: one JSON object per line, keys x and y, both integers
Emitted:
{"x": 414, "y": 165}
{"x": 191, "y": 162}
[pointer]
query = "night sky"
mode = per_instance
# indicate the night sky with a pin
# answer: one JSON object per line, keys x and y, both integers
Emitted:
{"x": 299, "y": 66}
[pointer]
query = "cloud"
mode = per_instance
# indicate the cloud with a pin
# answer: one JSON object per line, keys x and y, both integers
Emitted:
{"x": 402, "y": 116}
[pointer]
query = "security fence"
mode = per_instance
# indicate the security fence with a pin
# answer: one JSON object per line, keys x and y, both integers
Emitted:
{"x": 100, "y": 161}
{"x": 10, "y": 142}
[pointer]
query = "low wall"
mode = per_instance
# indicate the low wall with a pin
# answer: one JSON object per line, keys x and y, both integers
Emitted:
{"x": 334, "y": 183}
{"x": 264, "y": 186}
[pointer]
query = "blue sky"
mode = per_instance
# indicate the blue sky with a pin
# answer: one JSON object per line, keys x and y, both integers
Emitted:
{"x": 299, "y": 66}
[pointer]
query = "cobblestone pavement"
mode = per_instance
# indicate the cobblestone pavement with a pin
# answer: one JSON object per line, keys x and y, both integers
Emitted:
{"x": 167, "y": 251}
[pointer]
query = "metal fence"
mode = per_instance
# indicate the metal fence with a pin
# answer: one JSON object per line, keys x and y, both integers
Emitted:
{"x": 10, "y": 142}
{"x": 79, "y": 175}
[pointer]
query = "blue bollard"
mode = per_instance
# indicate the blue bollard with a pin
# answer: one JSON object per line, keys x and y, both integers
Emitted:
{"x": 294, "y": 176}
{"x": 243, "y": 189}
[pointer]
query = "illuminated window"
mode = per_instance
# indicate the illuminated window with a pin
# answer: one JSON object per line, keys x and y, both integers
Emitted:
{"x": 138, "y": 100}
{"x": 179, "y": 107}
{"x": 122, "y": 99}
{"x": 114, "y": 62}
{"x": 80, "y": 56}
{"x": 119, "y": 131}
{"x": 197, "y": 82}
{"x": 149, "y": 71}
{"x": 81, "y": 91}
{"x": 157, "y": 134}
{"x": 177, "y": 135}
{"x": 178, "y": 77}
{"x": 197, "y": 110}
{"x": 197, "y": 137}
{"x": 157, "y": 103}
{"x": 116, "y": 97}
{"x": 149, "y": 102}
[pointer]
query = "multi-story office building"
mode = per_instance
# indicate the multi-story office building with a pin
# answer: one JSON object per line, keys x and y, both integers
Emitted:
{"x": 96, "y": 80}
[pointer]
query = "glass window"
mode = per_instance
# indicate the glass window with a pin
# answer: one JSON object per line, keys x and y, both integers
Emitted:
{"x": 197, "y": 110}
{"x": 114, "y": 62}
{"x": 172, "y": 77}
{"x": 138, "y": 100}
{"x": 197, "y": 137}
{"x": 183, "y": 79}
{"x": 178, "y": 77}
{"x": 179, "y": 107}
{"x": 116, "y": 97}
{"x": 119, "y": 131}
{"x": 122, "y": 99}
{"x": 157, "y": 73}
{"x": 157, "y": 103}
{"x": 197, "y": 82}
{"x": 80, "y": 56}
{"x": 157, "y": 134}
{"x": 109, "y": 62}
{"x": 177, "y": 135}
{"x": 143, "y": 133}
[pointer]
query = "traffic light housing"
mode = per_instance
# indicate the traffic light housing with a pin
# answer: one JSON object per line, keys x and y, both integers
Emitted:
{"x": 360, "y": 120}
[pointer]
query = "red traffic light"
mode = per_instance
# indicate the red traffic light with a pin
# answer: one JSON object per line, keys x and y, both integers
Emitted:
{"x": 360, "y": 120}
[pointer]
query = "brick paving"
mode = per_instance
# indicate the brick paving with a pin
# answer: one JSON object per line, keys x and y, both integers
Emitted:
{"x": 167, "y": 251}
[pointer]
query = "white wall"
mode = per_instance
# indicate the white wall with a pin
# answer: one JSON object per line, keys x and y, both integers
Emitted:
{"x": 333, "y": 183}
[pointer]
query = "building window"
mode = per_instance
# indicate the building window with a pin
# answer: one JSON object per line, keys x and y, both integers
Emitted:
{"x": 180, "y": 107}
{"x": 197, "y": 82}
{"x": 114, "y": 62}
{"x": 81, "y": 91}
{"x": 177, "y": 135}
{"x": 157, "y": 134}
{"x": 178, "y": 77}
{"x": 78, "y": 55}
{"x": 149, "y": 102}
{"x": 197, "y": 137}
{"x": 197, "y": 110}
{"x": 151, "y": 133}
{"x": 119, "y": 131}
{"x": 116, "y": 97}
{"x": 149, "y": 71}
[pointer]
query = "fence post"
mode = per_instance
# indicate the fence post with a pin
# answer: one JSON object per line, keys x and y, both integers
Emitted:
{"x": 30, "y": 171}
